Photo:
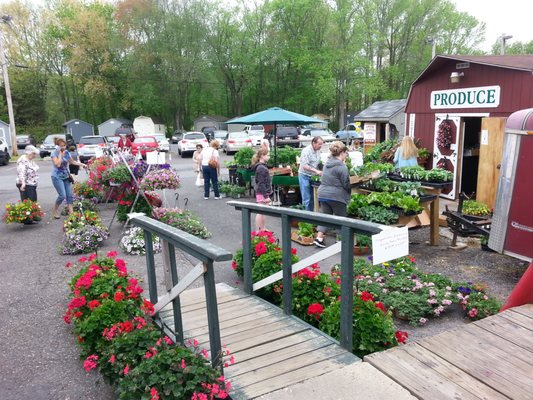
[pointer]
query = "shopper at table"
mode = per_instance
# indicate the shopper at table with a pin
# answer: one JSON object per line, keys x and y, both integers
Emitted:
{"x": 334, "y": 190}
{"x": 406, "y": 155}
{"x": 308, "y": 167}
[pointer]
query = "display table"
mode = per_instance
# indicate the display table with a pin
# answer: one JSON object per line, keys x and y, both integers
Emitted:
{"x": 431, "y": 208}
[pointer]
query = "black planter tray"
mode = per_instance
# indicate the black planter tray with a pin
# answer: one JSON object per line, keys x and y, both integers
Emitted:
{"x": 436, "y": 185}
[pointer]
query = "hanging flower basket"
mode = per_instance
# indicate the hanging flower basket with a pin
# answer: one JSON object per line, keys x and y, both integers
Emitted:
{"x": 444, "y": 135}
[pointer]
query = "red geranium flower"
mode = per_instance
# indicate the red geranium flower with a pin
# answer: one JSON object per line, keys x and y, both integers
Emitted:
{"x": 315, "y": 310}
{"x": 260, "y": 248}
{"x": 401, "y": 336}
{"x": 366, "y": 296}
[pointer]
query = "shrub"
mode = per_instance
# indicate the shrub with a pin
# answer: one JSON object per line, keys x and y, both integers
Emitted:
{"x": 373, "y": 327}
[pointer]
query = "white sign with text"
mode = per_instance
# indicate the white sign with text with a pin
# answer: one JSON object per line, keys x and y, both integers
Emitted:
{"x": 369, "y": 133}
{"x": 390, "y": 244}
{"x": 155, "y": 158}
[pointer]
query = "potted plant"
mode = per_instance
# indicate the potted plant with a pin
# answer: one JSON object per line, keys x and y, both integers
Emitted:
{"x": 423, "y": 155}
{"x": 363, "y": 244}
{"x": 237, "y": 191}
{"x": 305, "y": 234}
{"x": 243, "y": 158}
{"x": 24, "y": 212}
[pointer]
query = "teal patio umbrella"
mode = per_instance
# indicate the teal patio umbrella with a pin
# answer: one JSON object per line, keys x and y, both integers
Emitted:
{"x": 275, "y": 115}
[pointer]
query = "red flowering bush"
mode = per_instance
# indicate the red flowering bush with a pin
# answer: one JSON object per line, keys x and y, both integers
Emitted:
{"x": 373, "y": 327}
{"x": 115, "y": 332}
{"x": 310, "y": 287}
{"x": 262, "y": 242}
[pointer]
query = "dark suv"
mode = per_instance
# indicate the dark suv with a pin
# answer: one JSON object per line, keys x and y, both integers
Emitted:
{"x": 286, "y": 136}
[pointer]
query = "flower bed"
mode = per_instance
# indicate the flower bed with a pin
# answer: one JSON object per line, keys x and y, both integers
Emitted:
{"x": 112, "y": 323}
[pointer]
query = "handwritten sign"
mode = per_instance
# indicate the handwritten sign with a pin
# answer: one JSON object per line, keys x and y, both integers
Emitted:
{"x": 369, "y": 134}
{"x": 155, "y": 158}
{"x": 390, "y": 244}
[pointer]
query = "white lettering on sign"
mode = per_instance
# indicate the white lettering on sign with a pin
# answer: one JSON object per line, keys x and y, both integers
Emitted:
{"x": 390, "y": 244}
{"x": 478, "y": 97}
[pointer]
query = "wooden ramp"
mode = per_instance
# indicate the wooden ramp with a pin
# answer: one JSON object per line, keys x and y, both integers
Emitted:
{"x": 488, "y": 359}
{"x": 271, "y": 350}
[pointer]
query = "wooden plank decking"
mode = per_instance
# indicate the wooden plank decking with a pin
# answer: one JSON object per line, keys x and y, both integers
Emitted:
{"x": 271, "y": 350}
{"x": 488, "y": 359}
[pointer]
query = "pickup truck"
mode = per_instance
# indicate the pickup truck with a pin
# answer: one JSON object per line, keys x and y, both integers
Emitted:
{"x": 352, "y": 131}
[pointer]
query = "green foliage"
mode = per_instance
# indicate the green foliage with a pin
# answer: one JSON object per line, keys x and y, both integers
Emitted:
{"x": 285, "y": 156}
{"x": 126, "y": 201}
{"x": 473, "y": 207}
{"x": 166, "y": 374}
{"x": 377, "y": 214}
{"x": 382, "y": 152}
{"x": 243, "y": 157}
{"x": 185, "y": 220}
{"x": 373, "y": 328}
{"x": 117, "y": 174}
{"x": 306, "y": 229}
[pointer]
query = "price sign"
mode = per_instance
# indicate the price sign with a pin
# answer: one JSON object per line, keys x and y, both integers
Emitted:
{"x": 369, "y": 133}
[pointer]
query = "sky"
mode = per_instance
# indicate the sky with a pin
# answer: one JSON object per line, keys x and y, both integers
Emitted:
{"x": 512, "y": 17}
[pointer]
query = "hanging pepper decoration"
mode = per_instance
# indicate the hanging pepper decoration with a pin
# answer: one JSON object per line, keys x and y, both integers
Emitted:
{"x": 444, "y": 135}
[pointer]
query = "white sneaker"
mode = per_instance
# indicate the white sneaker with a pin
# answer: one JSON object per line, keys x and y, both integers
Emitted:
{"x": 206, "y": 198}
{"x": 319, "y": 243}
{"x": 217, "y": 197}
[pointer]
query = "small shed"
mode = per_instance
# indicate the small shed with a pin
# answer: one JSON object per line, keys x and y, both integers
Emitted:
{"x": 218, "y": 121}
{"x": 109, "y": 127}
{"x": 388, "y": 118}
{"x": 149, "y": 125}
{"x": 5, "y": 133}
{"x": 78, "y": 128}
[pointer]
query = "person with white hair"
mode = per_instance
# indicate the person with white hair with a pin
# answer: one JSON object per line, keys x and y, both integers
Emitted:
{"x": 27, "y": 174}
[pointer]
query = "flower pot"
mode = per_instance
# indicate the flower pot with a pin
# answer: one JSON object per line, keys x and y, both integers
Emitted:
{"x": 360, "y": 251}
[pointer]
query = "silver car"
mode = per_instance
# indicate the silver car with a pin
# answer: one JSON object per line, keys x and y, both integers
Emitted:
{"x": 235, "y": 141}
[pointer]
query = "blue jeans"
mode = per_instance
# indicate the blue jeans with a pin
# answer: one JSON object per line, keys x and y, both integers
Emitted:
{"x": 64, "y": 190}
{"x": 210, "y": 176}
{"x": 306, "y": 191}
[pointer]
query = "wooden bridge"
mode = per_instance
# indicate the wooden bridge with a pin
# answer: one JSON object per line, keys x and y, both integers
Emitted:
{"x": 272, "y": 350}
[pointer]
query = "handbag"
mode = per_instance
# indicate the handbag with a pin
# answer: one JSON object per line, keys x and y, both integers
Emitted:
{"x": 199, "y": 179}
{"x": 213, "y": 163}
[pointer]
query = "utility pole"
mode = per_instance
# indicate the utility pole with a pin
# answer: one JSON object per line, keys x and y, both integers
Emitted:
{"x": 6, "y": 19}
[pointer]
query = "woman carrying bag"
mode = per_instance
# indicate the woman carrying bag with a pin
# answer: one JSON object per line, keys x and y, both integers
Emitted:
{"x": 197, "y": 165}
{"x": 211, "y": 168}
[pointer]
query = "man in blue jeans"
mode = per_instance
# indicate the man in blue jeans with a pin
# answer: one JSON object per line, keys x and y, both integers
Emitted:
{"x": 308, "y": 167}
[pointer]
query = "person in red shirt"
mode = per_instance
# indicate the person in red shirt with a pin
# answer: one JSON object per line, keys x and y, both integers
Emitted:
{"x": 124, "y": 143}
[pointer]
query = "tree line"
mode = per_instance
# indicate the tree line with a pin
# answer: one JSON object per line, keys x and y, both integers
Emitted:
{"x": 181, "y": 59}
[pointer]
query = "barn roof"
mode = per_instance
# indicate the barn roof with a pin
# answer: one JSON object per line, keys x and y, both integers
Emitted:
{"x": 517, "y": 62}
{"x": 70, "y": 121}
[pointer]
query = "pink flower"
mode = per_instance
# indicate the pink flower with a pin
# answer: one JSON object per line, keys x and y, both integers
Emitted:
{"x": 112, "y": 254}
{"x": 112, "y": 359}
{"x": 183, "y": 365}
{"x": 260, "y": 248}
{"x": 90, "y": 362}
{"x": 92, "y": 257}
{"x": 68, "y": 265}
{"x": 126, "y": 369}
{"x": 93, "y": 304}
{"x": 82, "y": 259}
{"x": 315, "y": 310}
{"x": 472, "y": 313}
{"x": 154, "y": 394}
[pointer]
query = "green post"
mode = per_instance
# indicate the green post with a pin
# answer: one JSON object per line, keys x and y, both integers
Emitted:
{"x": 346, "y": 328}
{"x": 286, "y": 263}
{"x": 247, "y": 251}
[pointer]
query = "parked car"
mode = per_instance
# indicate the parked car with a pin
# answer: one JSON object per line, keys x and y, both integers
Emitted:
{"x": 220, "y": 135}
{"x": 4, "y": 152}
{"x": 176, "y": 136}
{"x": 144, "y": 144}
{"x": 309, "y": 133}
{"x": 49, "y": 144}
{"x": 162, "y": 140}
{"x": 256, "y": 133}
{"x": 187, "y": 145}
{"x": 209, "y": 131}
{"x": 113, "y": 141}
{"x": 235, "y": 141}
{"x": 91, "y": 146}
{"x": 353, "y": 131}
{"x": 286, "y": 136}
{"x": 24, "y": 140}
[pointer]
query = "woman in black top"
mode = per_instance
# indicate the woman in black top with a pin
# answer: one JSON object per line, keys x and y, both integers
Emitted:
{"x": 263, "y": 184}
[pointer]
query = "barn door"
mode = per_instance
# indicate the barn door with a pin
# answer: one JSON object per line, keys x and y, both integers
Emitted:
{"x": 490, "y": 158}
{"x": 446, "y": 147}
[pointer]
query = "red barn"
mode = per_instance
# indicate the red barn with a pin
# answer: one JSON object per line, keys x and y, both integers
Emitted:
{"x": 458, "y": 107}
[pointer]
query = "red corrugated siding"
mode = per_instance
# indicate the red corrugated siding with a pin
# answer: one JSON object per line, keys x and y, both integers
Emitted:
{"x": 516, "y": 94}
